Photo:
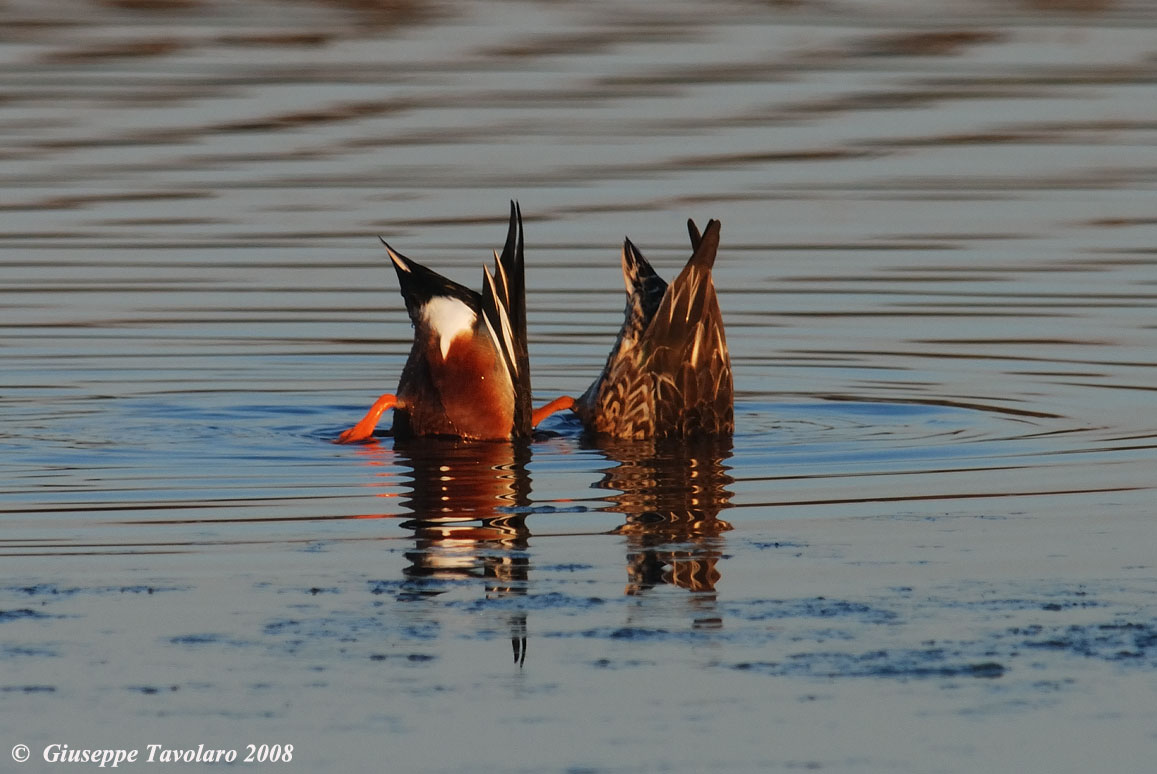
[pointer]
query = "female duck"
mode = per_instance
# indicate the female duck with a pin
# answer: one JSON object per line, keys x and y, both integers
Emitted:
{"x": 669, "y": 372}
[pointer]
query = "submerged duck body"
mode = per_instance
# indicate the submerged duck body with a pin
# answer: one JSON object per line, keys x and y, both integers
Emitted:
{"x": 669, "y": 372}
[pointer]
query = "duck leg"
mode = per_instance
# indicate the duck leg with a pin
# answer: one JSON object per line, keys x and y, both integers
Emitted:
{"x": 365, "y": 428}
{"x": 558, "y": 404}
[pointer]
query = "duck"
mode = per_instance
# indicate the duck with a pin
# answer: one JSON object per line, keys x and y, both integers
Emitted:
{"x": 668, "y": 375}
{"x": 468, "y": 373}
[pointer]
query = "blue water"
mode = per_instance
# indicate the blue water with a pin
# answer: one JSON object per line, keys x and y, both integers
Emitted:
{"x": 928, "y": 546}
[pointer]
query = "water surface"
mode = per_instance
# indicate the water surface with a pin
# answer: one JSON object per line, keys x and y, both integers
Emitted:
{"x": 928, "y": 547}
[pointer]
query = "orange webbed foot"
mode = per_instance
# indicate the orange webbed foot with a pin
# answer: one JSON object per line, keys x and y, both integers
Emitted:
{"x": 558, "y": 404}
{"x": 365, "y": 428}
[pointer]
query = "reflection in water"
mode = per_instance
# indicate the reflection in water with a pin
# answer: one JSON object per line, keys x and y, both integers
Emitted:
{"x": 939, "y": 290}
{"x": 671, "y": 495}
{"x": 469, "y": 501}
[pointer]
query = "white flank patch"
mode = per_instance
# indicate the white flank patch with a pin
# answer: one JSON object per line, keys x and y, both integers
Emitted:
{"x": 448, "y": 317}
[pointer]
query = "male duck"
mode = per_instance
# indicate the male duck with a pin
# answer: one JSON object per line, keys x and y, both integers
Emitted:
{"x": 468, "y": 373}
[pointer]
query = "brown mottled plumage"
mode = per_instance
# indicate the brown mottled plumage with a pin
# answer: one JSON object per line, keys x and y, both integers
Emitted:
{"x": 668, "y": 374}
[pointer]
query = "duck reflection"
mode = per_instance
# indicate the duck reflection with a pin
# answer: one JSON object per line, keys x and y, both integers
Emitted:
{"x": 468, "y": 500}
{"x": 671, "y": 495}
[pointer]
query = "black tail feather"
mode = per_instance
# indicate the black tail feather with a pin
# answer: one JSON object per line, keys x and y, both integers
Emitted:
{"x": 419, "y": 284}
{"x": 504, "y": 304}
{"x": 693, "y": 231}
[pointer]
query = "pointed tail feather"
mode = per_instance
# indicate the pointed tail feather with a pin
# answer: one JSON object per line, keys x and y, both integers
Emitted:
{"x": 638, "y": 275}
{"x": 693, "y": 231}
{"x": 504, "y": 308}
{"x": 686, "y": 347}
{"x": 688, "y": 296}
{"x": 706, "y": 246}
{"x": 419, "y": 284}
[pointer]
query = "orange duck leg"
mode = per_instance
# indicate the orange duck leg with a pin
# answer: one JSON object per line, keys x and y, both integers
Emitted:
{"x": 558, "y": 404}
{"x": 365, "y": 428}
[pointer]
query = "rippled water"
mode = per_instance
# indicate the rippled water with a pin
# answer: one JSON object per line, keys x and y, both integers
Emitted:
{"x": 929, "y": 546}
